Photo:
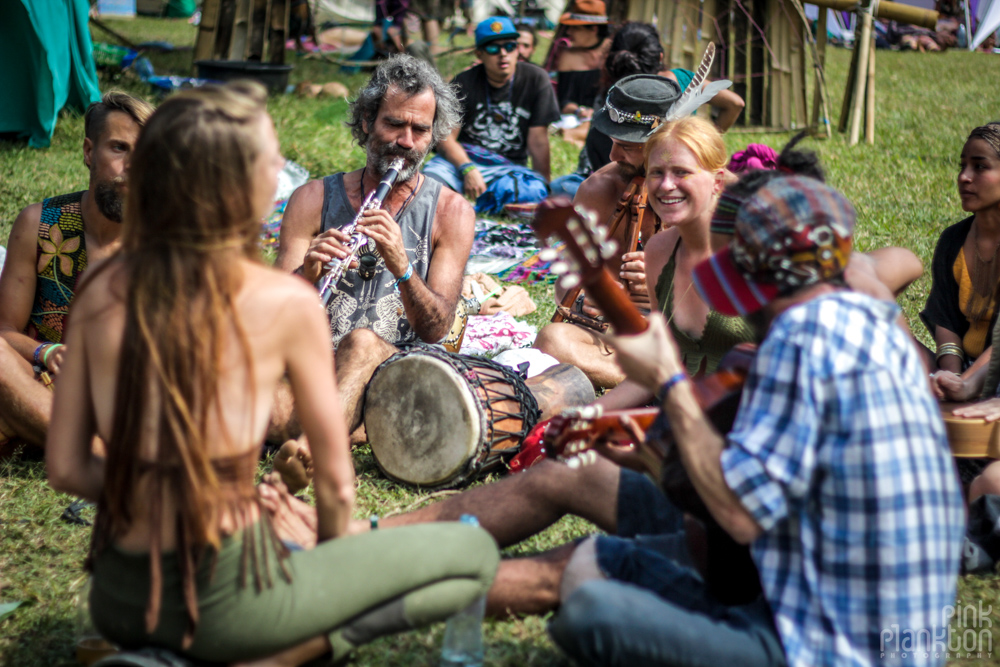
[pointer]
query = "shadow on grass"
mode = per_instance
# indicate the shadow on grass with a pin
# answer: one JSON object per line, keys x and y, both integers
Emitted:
{"x": 47, "y": 641}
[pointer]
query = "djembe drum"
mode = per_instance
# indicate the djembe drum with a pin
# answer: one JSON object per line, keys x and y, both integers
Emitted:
{"x": 437, "y": 420}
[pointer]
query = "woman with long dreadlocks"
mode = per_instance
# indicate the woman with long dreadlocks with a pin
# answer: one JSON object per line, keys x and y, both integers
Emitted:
{"x": 178, "y": 343}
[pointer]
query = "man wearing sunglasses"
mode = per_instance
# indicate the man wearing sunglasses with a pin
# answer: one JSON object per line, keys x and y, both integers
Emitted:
{"x": 508, "y": 108}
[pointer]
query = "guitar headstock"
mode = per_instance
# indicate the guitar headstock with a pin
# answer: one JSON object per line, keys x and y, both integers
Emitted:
{"x": 570, "y": 438}
{"x": 586, "y": 241}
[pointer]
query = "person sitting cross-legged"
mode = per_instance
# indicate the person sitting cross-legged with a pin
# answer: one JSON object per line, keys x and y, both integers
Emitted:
{"x": 51, "y": 244}
{"x": 508, "y": 108}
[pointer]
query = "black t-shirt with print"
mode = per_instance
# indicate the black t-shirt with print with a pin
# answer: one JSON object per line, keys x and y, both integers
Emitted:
{"x": 500, "y": 121}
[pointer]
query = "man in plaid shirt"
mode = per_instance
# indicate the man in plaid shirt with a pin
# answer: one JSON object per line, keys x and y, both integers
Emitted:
{"x": 836, "y": 472}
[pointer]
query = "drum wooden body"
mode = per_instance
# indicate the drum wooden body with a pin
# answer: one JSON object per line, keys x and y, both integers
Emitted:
{"x": 970, "y": 437}
{"x": 438, "y": 420}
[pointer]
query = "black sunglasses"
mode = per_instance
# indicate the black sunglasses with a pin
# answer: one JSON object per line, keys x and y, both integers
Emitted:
{"x": 493, "y": 48}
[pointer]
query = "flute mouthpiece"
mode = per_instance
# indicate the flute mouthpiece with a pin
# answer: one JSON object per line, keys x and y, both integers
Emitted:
{"x": 397, "y": 164}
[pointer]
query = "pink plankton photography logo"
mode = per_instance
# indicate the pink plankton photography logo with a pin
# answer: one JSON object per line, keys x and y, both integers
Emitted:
{"x": 964, "y": 632}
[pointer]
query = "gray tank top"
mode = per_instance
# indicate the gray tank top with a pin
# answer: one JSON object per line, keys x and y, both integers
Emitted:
{"x": 375, "y": 304}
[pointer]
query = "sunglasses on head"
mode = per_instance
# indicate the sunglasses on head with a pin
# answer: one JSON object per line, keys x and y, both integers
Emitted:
{"x": 493, "y": 48}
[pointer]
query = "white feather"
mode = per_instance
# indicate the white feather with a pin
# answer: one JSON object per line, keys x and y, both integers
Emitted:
{"x": 694, "y": 95}
{"x": 687, "y": 107}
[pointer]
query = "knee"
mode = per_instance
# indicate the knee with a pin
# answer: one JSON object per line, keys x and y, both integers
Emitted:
{"x": 12, "y": 365}
{"x": 987, "y": 483}
{"x": 581, "y": 568}
{"x": 578, "y": 627}
{"x": 557, "y": 339}
{"x": 362, "y": 346}
{"x": 487, "y": 561}
{"x": 557, "y": 484}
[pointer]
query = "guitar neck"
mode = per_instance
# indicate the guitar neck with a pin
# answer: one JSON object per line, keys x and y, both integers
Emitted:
{"x": 614, "y": 302}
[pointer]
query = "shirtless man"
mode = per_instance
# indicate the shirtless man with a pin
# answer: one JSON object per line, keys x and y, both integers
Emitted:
{"x": 51, "y": 243}
{"x": 420, "y": 239}
{"x": 648, "y": 96}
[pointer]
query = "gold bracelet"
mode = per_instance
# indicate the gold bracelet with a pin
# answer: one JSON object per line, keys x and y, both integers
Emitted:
{"x": 945, "y": 349}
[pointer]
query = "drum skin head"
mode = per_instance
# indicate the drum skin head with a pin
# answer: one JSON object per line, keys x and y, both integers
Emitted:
{"x": 422, "y": 420}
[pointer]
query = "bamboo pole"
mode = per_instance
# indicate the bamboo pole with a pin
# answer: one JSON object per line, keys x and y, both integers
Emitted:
{"x": 821, "y": 115}
{"x": 870, "y": 97}
{"x": 852, "y": 71}
{"x": 886, "y": 9}
{"x": 862, "y": 44}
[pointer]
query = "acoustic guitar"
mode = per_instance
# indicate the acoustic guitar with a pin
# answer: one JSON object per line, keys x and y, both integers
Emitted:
{"x": 730, "y": 574}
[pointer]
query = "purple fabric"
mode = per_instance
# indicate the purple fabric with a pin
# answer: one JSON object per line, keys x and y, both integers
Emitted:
{"x": 755, "y": 156}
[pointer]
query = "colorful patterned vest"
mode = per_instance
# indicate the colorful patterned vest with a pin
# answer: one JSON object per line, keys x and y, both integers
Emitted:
{"x": 62, "y": 257}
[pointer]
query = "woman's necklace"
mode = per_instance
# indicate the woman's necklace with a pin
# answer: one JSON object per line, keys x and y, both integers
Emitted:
{"x": 975, "y": 241}
{"x": 983, "y": 275}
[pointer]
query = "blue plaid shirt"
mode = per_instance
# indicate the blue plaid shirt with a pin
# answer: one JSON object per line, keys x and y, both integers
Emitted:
{"x": 839, "y": 453}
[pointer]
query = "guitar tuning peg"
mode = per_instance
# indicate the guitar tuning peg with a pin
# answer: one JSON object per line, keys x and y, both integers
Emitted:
{"x": 548, "y": 254}
{"x": 589, "y": 457}
{"x": 591, "y": 254}
{"x": 559, "y": 268}
{"x": 569, "y": 281}
{"x": 573, "y": 462}
{"x": 609, "y": 249}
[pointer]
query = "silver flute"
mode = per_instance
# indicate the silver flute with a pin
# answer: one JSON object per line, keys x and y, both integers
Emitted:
{"x": 334, "y": 269}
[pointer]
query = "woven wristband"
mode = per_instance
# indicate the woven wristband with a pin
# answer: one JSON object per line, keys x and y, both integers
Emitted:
{"x": 467, "y": 168}
{"x": 34, "y": 356}
{"x": 665, "y": 388}
{"x": 406, "y": 276}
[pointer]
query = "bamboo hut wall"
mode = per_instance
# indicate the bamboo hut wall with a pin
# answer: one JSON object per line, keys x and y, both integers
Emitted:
{"x": 252, "y": 30}
{"x": 760, "y": 49}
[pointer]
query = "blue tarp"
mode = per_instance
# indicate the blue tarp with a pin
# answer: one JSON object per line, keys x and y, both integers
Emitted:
{"x": 46, "y": 63}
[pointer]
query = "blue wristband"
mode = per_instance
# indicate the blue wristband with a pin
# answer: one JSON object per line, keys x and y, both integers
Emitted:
{"x": 406, "y": 276}
{"x": 665, "y": 388}
{"x": 38, "y": 362}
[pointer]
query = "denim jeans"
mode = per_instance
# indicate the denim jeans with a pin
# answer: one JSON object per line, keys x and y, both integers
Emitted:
{"x": 566, "y": 185}
{"x": 444, "y": 171}
{"x": 612, "y": 623}
{"x": 653, "y": 608}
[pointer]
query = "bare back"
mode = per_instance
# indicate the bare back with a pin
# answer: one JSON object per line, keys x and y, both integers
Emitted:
{"x": 285, "y": 331}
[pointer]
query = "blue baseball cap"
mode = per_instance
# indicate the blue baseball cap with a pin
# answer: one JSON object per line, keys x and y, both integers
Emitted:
{"x": 494, "y": 28}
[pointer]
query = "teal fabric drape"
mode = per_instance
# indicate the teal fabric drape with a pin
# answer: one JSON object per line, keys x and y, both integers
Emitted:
{"x": 46, "y": 63}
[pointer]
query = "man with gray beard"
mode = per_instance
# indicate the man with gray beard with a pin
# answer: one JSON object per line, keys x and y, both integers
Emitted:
{"x": 51, "y": 243}
{"x": 406, "y": 285}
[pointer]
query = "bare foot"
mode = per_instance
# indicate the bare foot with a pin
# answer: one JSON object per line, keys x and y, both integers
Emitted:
{"x": 294, "y": 463}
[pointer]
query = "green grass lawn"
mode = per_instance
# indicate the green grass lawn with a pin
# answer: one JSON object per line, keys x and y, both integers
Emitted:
{"x": 903, "y": 187}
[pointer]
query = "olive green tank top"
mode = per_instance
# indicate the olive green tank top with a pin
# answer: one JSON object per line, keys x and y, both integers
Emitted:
{"x": 721, "y": 333}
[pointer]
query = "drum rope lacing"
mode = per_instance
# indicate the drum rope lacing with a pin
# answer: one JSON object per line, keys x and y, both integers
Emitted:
{"x": 528, "y": 414}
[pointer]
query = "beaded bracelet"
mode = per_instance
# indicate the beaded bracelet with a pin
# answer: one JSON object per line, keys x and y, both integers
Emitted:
{"x": 467, "y": 168}
{"x": 665, "y": 388}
